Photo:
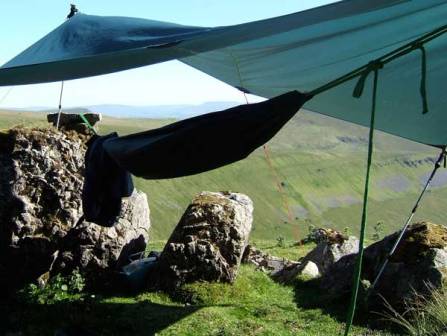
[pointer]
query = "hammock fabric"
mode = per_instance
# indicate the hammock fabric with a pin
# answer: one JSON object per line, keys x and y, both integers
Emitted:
{"x": 105, "y": 183}
{"x": 204, "y": 142}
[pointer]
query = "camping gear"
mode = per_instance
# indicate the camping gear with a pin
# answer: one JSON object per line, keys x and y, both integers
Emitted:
{"x": 442, "y": 158}
{"x": 205, "y": 142}
{"x": 301, "y": 51}
{"x": 105, "y": 184}
{"x": 329, "y": 52}
{"x": 134, "y": 275}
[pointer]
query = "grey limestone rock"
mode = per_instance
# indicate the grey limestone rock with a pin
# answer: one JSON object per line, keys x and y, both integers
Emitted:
{"x": 331, "y": 248}
{"x": 419, "y": 264}
{"x": 209, "y": 241}
{"x": 264, "y": 261}
{"x": 41, "y": 178}
{"x": 326, "y": 253}
{"x": 100, "y": 251}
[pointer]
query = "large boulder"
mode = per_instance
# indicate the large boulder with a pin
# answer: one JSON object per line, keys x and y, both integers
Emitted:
{"x": 420, "y": 262}
{"x": 209, "y": 241}
{"x": 41, "y": 179}
{"x": 99, "y": 252}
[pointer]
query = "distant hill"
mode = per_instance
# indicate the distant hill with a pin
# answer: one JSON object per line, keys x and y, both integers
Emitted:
{"x": 160, "y": 111}
{"x": 150, "y": 111}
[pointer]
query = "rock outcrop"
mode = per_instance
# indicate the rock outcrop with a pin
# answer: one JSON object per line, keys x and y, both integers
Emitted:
{"x": 100, "y": 251}
{"x": 331, "y": 247}
{"x": 328, "y": 252}
{"x": 420, "y": 259}
{"x": 41, "y": 178}
{"x": 322, "y": 235}
{"x": 209, "y": 241}
{"x": 264, "y": 261}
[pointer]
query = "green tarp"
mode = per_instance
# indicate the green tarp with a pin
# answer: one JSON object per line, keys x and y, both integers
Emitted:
{"x": 300, "y": 51}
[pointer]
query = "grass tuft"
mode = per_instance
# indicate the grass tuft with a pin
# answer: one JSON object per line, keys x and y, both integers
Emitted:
{"x": 424, "y": 316}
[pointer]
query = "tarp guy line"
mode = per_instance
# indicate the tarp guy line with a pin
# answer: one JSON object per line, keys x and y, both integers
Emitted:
{"x": 6, "y": 94}
{"x": 358, "y": 265}
{"x": 277, "y": 181}
{"x": 269, "y": 162}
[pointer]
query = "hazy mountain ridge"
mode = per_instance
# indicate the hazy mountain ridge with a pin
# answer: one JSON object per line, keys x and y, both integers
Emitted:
{"x": 180, "y": 111}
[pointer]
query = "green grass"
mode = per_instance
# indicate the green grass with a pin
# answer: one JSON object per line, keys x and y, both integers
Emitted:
{"x": 253, "y": 305}
{"x": 424, "y": 316}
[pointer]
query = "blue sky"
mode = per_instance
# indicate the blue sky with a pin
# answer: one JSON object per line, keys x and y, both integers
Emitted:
{"x": 24, "y": 22}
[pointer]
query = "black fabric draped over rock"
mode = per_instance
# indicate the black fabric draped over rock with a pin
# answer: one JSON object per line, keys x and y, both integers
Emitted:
{"x": 105, "y": 183}
{"x": 204, "y": 142}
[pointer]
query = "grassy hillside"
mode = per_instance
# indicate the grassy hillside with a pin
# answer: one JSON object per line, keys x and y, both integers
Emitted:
{"x": 320, "y": 164}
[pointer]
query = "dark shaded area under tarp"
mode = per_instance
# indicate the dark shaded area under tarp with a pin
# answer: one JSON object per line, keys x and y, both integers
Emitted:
{"x": 204, "y": 142}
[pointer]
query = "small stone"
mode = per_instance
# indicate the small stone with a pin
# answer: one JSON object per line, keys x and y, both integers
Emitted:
{"x": 310, "y": 270}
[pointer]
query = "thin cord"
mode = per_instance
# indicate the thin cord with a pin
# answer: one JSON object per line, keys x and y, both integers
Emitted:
{"x": 358, "y": 265}
{"x": 6, "y": 94}
{"x": 246, "y": 99}
{"x": 278, "y": 183}
{"x": 60, "y": 105}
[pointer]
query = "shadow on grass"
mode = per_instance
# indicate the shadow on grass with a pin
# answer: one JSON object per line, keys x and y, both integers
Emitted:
{"x": 308, "y": 295}
{"x": 92, "y": 317}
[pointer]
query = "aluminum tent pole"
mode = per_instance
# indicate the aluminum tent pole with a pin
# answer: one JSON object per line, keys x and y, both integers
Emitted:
{"x": 438, "y": 163}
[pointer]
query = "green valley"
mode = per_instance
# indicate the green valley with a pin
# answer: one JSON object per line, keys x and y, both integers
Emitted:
{"x": 319, "y": 163}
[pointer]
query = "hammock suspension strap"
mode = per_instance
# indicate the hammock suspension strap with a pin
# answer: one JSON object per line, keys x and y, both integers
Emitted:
{"x": 84, "y": 119}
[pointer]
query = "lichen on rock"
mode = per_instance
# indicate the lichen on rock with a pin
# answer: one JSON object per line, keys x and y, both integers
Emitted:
{"x": 41, "y": 178}
{"x": 419, "y": 264}
{"x": 209, "y": 241}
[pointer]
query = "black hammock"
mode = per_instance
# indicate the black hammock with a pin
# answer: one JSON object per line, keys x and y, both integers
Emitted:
{"x": 204, "y": 142}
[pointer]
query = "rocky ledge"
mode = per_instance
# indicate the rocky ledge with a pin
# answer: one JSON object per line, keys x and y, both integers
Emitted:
{"x": 419, "y": 264}
{"x": 41, "y": 178}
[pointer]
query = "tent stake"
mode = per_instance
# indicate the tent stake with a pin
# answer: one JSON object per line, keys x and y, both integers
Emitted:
{"x": 438, "y": 163}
